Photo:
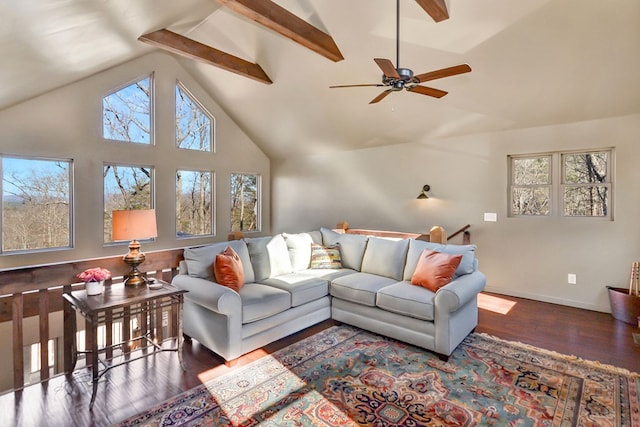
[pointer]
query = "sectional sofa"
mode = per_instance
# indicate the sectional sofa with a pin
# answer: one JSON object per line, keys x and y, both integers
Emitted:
{"x": 369, "y": 287}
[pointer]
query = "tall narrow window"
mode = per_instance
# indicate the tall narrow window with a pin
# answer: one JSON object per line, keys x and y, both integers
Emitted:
{"x": 530, "y": 185}
{"x": 126, "y": 113}
{"x": 195, "y": 127}
{"x": 194, "y": 203}
{"x": 585, "y": 184}
{"x": 125, "y": 187}
{"x": 36, "y": 204}
{"x": 245, "y": 202}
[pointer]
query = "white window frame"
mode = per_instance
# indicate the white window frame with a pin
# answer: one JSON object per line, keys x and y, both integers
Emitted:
{"x": 258, "y": 202}
{"x": 71, "y": 224}
{"x": 212, "y": 119}
{"x": 557, "y": 185}
{"x": 152, "y": 103}
{"x": 152, "y": 192}
{"x": 212, "y": 201}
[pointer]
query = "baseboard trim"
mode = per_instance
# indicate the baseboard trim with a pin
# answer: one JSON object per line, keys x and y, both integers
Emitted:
{"x": 547, "y": 298}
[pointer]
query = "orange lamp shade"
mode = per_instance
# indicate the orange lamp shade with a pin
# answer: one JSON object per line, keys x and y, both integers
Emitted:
{"x": 134, "y": 224}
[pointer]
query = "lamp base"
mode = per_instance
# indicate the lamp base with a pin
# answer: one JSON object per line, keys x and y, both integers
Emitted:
{"x": 135, "y": 278}
{"x": 134, "y": 258}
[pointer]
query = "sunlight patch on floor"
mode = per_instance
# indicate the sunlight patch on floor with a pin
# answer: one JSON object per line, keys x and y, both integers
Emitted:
{"x": 495, "y": 304}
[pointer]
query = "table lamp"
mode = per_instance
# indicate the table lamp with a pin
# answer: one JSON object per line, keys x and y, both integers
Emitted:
{"x": 133, "y": 225}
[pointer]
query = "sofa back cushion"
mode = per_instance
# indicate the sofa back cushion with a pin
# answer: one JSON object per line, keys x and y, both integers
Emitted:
{"x": 352, "y": 247}
{"x": 385, "y": 257}
{"x": 269, "y": 256}
{"x": 299, "y": 246}
{"x": 468, "y": 263}
{"x": 200, "y": 260}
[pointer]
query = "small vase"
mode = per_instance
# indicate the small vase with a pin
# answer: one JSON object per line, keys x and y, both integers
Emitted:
{"x": 94, "y": 288}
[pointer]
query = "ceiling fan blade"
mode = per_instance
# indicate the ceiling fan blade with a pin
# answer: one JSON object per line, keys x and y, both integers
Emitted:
{"x": 424, "y": 90}
{"x": 445, "y": 72}
{"x": 362, "y": 85}
{"x": 381, "y": 96}
{"x": 387, "y": 67}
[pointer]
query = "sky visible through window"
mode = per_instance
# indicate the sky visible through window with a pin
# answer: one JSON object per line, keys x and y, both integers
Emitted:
{"x": 126, "y": 113}
{"x": 15, "y": 170}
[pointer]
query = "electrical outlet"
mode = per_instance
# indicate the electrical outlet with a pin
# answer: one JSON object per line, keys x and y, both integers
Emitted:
{"x": 571, "y": 279}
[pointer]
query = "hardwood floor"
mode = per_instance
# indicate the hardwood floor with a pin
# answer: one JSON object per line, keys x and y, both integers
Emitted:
{"x": 130, "y": 389}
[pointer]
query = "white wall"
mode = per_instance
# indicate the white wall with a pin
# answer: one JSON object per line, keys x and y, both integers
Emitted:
{"x": 66, "y": 123}
{"x": 528, "y": 257}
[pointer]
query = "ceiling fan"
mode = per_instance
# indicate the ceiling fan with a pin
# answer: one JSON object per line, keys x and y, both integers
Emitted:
{"x": 397, "y": 78}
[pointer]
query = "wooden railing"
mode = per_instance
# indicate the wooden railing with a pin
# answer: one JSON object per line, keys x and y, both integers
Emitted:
{"x": 437, "y": 234}
{"x": 466, "y": 234}
{"x": 37, "y": 291}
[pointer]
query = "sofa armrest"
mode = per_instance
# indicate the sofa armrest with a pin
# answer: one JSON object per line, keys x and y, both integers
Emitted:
{"x": 460, "y": 291}
{"x": 209, "y": 294}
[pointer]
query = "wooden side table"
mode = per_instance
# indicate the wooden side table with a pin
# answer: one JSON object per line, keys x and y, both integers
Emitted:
{"x": 119, "y": 302}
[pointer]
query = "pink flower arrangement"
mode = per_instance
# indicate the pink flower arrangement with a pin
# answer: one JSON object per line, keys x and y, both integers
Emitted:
{"x": 96, "y": 274}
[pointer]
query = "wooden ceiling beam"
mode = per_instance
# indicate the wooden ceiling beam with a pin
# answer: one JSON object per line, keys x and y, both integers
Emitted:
{"x": 280, "y": 20}
{"x": 178, "y": 44}
{"x": 437, "y": 9}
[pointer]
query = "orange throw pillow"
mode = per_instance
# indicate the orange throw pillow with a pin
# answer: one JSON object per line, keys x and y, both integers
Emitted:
{"x": 435, "y": 269}
{"x": 227, "y": 269}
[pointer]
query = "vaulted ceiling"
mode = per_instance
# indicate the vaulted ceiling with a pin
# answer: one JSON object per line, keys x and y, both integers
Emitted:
{"x": 535, "y": 62}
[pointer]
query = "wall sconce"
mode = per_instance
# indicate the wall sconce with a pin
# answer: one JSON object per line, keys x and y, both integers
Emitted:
{"x": 133, "y": 225}
{"x": 423, "y": 193}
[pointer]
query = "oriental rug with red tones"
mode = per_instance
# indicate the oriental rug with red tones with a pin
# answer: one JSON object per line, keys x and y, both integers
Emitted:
{"x": 344, "y": 376}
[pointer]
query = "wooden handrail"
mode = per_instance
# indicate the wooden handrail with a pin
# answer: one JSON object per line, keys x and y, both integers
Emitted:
{"x": 466, "y": 237}
{"x": 37, "y": 291}
{"x": 436, "y": 234}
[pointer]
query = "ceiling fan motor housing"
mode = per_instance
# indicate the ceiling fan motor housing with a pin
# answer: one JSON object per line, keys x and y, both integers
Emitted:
{"x": 406, "y": 76}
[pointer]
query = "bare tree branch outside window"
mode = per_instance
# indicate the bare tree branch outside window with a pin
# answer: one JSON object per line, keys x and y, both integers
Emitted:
{"x": 194, "y": 126}
{"x": 245, "y": 202}
{"x": 125, "y": 188}
{"x": 36, "y": 204}
{"x": 580, "y": 181}
{"x": 126, "y": 113}
{"x": 586, "y": 184}
{"x": 194, "y": 211}
{"x": 531, "y": 186}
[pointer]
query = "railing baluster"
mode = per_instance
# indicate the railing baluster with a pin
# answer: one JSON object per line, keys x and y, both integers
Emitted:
{"x": 43, "y": 314}
{"x": 126, "y": 330}
{"x": 18, "y": 341}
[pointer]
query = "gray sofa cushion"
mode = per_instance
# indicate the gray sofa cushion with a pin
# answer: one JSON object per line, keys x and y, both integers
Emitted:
{"x": 359, "y": 287}
{"x": 303, "y": 289}
{"x": 200, "y": 260}
{"x": 299, "y": 246}
{"x": 262, "y": 301}
{"x": 407, "y": 299}
{"x": 269, "y": 256}
{"x": 352, "y": 247}
{"x": 385, "y": 257}
{"x": 468, "y": 264}
{"x": 328, "y": 274}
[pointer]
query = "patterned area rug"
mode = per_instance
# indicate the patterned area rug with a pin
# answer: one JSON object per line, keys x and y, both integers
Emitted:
{"x": 344, "y": 376}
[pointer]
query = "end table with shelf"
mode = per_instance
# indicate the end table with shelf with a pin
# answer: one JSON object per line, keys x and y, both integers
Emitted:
{"x": 121, "y": 303}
